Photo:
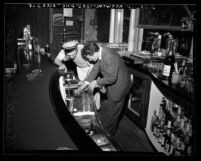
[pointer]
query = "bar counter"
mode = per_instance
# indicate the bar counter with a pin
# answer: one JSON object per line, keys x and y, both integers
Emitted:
{"x": 79, "y": 117}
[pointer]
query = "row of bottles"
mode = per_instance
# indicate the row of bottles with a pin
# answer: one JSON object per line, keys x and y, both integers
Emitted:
{"x": 172, "y": 128}
{"x": 183, "y": 76}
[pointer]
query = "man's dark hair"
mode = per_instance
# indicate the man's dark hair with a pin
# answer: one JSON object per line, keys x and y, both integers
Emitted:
{"x": 68, "y": 50}
{"x": 89, "y": 48}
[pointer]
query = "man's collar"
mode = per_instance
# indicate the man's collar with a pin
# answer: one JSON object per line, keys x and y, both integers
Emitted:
{"x": 100, "y": 53}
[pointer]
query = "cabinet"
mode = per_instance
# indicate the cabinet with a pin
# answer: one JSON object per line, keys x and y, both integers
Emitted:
{"x": 165, "y": 112}
{"x": 184, "y": 39}
{"x": 139, "y": 97}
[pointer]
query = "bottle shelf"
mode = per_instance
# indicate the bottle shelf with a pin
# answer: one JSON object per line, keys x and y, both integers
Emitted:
{"x": 171, "y": 129}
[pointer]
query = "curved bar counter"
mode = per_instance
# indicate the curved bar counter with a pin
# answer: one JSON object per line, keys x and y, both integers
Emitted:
{"x": 79, "y": 120}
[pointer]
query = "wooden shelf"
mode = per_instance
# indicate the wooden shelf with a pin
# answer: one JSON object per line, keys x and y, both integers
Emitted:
{"x": 159, "y": 27}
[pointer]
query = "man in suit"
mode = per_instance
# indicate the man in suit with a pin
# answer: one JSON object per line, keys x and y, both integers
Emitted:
{"x": 115, "y": 78}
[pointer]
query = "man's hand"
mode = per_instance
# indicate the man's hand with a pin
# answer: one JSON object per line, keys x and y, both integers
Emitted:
{"x": 92, "y": 85}
{"x": 77, "y": 91}
{"x": 103, "y": 89}
{"x": 80, "y": 83}
{"x": 83, "y": 86}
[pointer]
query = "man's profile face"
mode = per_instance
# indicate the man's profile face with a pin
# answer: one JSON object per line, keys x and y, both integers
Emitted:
{"x": 72, "y": 54}
{"x": 93, "y": 58}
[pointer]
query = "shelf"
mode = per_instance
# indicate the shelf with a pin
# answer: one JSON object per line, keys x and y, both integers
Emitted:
{"x": 161, "y": 27}
{"x": 155, "y": 142}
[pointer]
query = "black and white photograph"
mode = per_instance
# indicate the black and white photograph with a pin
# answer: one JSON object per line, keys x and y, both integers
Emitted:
{"x": 100, "y": 79}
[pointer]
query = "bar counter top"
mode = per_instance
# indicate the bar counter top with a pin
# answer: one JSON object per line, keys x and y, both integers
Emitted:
{"x": 166, "y": 87}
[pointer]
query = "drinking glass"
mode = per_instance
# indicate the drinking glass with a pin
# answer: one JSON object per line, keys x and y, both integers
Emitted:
{"x": 39, "y": 60}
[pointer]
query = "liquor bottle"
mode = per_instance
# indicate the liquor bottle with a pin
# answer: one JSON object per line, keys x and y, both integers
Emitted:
{"x": 189, "y": 147}
{"x": 181, "y": 70}
{"x": 153, "y": 121}
{"x": 161, "y": 111}
{"x": 159, "y": 41}
{"x": 163, "y": 137}
{"x": 175, "y": 110}
{"x": 155, "y": 130}
{"x": 158, "y": 128}
{"x": 167, "y": 141}
{"x": 177, "y": 123}
{"x": 168, "y": 64}
{"x": 173, "y": 140}
{"x": 164, "y": 102}
{"x": 168, "y": 119}
{"x": 158, "y": 133}
{"x": 47, "y": 48}
{"x": 181, "y": 122}
{"x": 161, "y": 133}
{"x": 177, "y": 151}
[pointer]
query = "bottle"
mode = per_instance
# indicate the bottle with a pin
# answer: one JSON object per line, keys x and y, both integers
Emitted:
{"x": 155, "y": 128}
{"x": 168, "y": 64}
{"x": 47, "y": 51}
{"x": 159, "y": 41}
{"x": 163, "y": 137}
{"x": 158, "y": 129}
{"x": 47, "y": 48}
{"x": 162, "y": 132}
{"x": 174, "y": 110}
{"x": 153, "y": 121}
{"x": 173, "y": 140}
{"x": 182, "y": 73}
{"x": 167, "y": 141}
{"x": 181, "y": 70}
{"x": 178, "y": 149}
{"x": 189, "y": 147}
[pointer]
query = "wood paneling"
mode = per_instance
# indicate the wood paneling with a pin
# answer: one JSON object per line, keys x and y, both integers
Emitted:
{"x": 71, "y": 32}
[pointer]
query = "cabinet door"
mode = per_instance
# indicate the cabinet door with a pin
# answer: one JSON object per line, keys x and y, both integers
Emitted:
{"x": 137, "y": 106}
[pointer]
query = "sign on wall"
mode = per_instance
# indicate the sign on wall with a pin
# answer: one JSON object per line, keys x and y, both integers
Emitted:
{"x": 69, "y": 23}
{"x": 58, "y": 19}
{"x": 68, "y": 12}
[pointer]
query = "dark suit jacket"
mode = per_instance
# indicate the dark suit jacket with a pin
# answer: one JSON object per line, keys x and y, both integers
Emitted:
{"x": 115, "y": 75}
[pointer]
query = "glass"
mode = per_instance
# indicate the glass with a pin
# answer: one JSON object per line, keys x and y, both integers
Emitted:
{"x": 26, "y": 55}
{"x": 37, "y": 57}
{"x": 39, "y": 60}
